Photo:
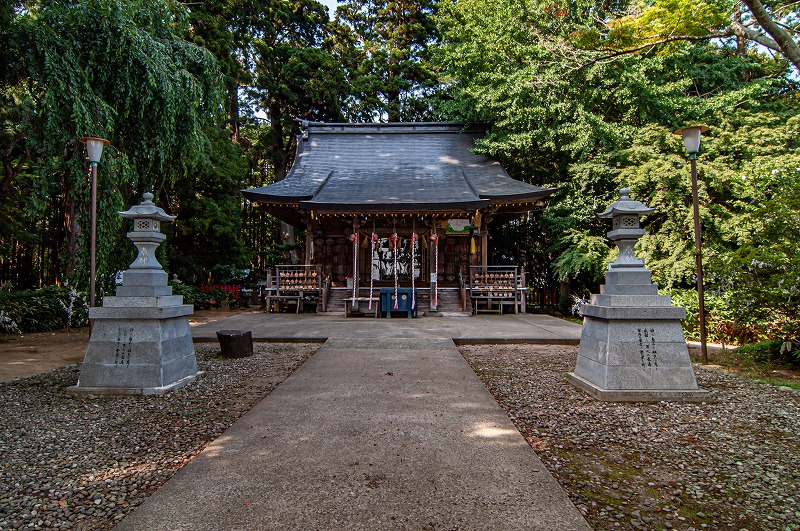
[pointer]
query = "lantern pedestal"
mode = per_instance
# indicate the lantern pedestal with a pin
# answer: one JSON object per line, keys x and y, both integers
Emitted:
{"x": 141, "y": 343}
{"x": 632, "y": 346}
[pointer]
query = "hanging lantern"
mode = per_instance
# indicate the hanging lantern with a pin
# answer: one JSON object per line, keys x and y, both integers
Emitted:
{"x": 472, "y": 245}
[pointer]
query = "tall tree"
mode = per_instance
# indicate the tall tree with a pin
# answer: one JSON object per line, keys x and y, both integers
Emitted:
{"x": 294, "y": 77}
{"x": 574, "y": 116}
{"x": 220, "y": 27}
{"x": 385, "y": 46}
{"x": 207, "y": 203}
{"x": 113, "y": 68}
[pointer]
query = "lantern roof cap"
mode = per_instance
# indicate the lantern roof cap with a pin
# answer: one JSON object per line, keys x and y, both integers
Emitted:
{"x": 147, "y": 209}
{"x": 626, "y": 205}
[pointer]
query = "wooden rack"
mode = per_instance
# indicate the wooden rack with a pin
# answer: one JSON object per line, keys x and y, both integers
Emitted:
{"x": 492, "y": 287}
{"x": 294, "y": 284}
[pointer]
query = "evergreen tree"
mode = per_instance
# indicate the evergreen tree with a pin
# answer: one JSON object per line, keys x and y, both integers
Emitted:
{"x": 111, "y": 68}
{"x": 385, "y": 47}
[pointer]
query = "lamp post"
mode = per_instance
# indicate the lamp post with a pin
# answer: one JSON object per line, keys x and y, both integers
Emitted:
{"x": 94, "y": 150}
{"x": 691, "y": 140}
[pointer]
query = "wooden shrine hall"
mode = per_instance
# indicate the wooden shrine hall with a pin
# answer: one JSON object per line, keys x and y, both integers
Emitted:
{"x": 398, "y": 206}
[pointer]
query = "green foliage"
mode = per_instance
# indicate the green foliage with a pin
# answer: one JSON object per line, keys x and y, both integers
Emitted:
{"x": 49, "y": 308}
{"x": 589, "y": 123}
{"x": 384, "y": 46}
{"x": 201, "y": 300}
{"x": 585, "y": 254}
{"x": 208, "y": 207}
{"x": 769, "y": 351}
{"x": 7, "y": 324}
{"x": 666, "y": 18}
{"x": 151, "y": 97}
{"x": 761, "y": 350}
{"x": 112, "y": 68}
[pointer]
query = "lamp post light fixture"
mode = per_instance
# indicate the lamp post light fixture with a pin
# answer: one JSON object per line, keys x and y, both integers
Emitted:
{"x": 691, "y": 140}
{"x": 94, "y": 150}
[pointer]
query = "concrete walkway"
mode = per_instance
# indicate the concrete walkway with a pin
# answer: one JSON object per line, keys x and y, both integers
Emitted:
{"x": 520, "y": 328}
{"x": 375, "y": 431}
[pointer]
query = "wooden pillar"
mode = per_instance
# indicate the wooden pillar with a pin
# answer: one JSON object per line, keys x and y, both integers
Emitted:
{"x": 484, "y": 248}
{"x": 485, "y": 240}
{"x": 311, "y": 227}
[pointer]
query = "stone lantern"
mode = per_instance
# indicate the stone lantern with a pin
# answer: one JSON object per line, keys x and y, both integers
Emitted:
{"x": 625, "y": 215}
{"x": 145, "y": 276}
{"x": 141, "y": 342}
{"x": 632, "y": 345}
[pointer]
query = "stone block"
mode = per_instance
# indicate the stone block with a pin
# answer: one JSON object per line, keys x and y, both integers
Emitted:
{"x": 630, "y": 277}
{"x": 634, "y": 312}
{"x": 144, "y": 277}
{"x": 142, "y": 301}
{"x": 235, "y": 343}
{"x": 655, "y": 301}
{"x": 144, "y": 291}
{"x": 639, "y": 395}
{"x": 143, "y": 313}
{"x": 137, "y": 355}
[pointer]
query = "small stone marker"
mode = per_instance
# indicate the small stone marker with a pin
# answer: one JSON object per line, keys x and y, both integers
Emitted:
{"x": 632, "y": 345}
{"x": 235, "y": 343}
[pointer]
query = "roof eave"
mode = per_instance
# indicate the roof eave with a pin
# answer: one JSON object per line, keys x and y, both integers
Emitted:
{"x": 394, "y": 206}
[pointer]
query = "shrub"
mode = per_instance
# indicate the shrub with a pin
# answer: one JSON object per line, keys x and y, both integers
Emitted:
{"x": 48, "y": 308}
{"x": 769, "y": 351}
{"x": 7, "y": 325}
{"x": 721, "y": 325}
{"x": 201, "y": 300}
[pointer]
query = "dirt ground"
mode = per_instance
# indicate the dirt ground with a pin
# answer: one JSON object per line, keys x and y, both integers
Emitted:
{"x": 32, "y": 353}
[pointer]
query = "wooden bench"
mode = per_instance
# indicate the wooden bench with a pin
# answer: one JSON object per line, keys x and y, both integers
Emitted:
{"x": 349, "y": 310}
{"x": 275, "y": 298}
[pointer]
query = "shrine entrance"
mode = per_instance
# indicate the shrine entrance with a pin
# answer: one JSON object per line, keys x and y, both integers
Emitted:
{"x": 383, "y": 261}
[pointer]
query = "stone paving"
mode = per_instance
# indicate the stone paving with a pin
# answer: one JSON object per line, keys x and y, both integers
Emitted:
{"x": 519, "y": 328}
{"x": 370, "y": 433}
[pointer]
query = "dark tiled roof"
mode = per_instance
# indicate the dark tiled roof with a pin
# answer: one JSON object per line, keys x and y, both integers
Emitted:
{"x": 410, "y": 166}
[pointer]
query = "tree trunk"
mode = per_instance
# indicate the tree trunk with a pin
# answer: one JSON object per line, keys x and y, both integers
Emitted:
{"x": 69, "y": 228}
{"x": 787, "y": 46}
{"x": 233, "y": 109}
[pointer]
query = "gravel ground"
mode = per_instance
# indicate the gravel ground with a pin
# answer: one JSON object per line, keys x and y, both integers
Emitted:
{"x": 731, "y": 464}
{"x": 84, "y": 463}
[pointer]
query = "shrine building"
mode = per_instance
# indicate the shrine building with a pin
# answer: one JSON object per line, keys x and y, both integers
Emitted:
{"x": 396, "y": 204}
